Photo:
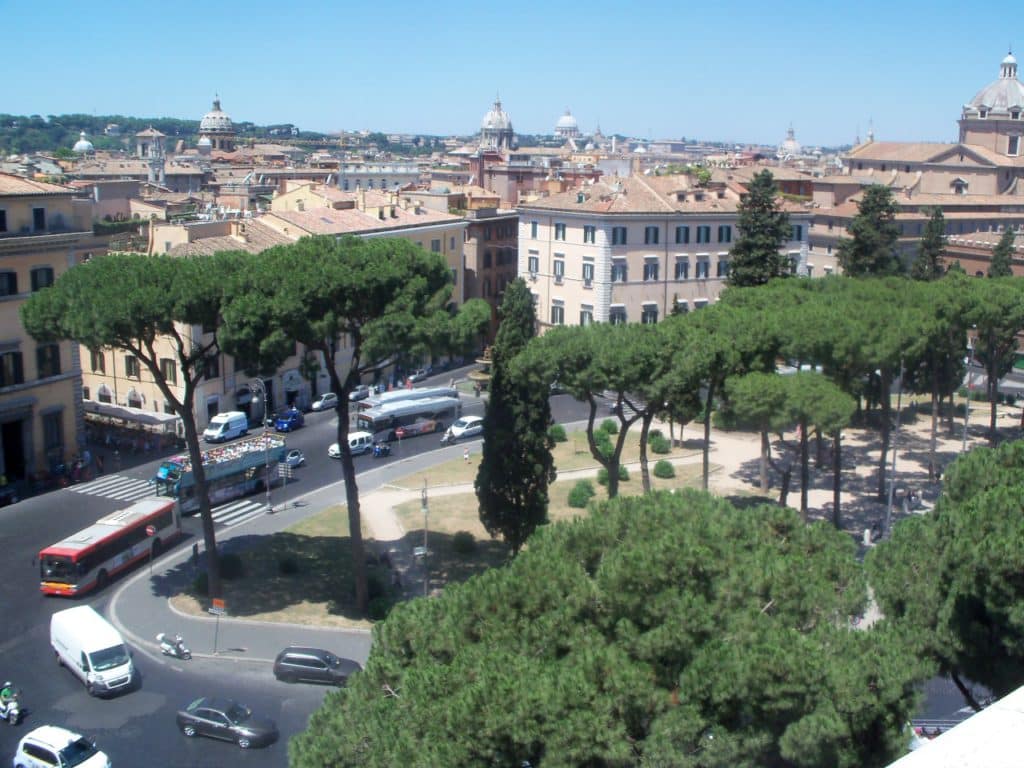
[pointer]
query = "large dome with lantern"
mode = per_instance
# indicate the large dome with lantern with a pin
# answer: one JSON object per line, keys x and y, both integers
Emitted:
{"x": 216, "y": 126}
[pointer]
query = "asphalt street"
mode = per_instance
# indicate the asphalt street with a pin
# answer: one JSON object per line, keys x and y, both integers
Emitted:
{"x": 142, "y": 722}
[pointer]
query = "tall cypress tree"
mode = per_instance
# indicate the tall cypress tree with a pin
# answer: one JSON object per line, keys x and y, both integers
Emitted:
{"x": 763, "y": 228}
{"x": 517, "y": 466}
{"x": 871, "y": 251}
{"x": 931, "y": 252}
{"x": 1002, "y": 255}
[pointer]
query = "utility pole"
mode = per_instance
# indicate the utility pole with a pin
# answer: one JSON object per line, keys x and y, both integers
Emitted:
{"x": 426, "y": 551}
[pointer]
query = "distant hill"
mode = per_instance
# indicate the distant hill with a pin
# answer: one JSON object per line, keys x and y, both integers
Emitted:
{"x": 22, "y": 134}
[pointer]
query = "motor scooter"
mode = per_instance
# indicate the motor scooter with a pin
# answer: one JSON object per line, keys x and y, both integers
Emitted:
{"x": 381, "y": 450}
{"x": 448, "y": 438}
{"x": 11, "y": 711}
{"x": 173, "y": 647}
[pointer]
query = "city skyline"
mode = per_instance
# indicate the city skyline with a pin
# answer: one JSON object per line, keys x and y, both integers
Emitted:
{"x": 731, "y": 71}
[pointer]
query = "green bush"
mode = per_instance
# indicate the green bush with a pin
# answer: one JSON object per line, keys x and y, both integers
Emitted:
{"x": 582, "y": 493}
{"x": 602, "y": 475}
{"x": 463, "y": 543}
{"x": 604, "y": 444}
{"x": 610, "y": 427}
{"x": 201, "y": 584}
{"x": 231, "y": 566}
{"x": 287, "y": 566}
{"x": 664, "y": 470}
{"x": 378, "y": 608}
{"x": 557, "y": 433}
{"x": 653, "y": 435}
{"x": 660, "y": 445}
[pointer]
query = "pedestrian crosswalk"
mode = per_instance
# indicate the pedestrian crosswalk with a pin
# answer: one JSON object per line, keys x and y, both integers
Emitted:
{"x": 129, "y": 489}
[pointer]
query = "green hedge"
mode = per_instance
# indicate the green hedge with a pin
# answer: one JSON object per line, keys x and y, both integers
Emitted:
{"x": 664, "y": 470}
{"x": 557, "y": 433}
{"x": 602, "y": 475}
{"x": 581, "y": 494}
{"x": 660, "y": 445}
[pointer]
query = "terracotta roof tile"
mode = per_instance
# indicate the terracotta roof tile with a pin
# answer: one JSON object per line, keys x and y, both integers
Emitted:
{"x": 20, "y": 185}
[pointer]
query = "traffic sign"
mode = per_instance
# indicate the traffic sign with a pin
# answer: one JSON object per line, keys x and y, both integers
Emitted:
{"x": 218, "y": 608}
{"x": 151, "y": 530}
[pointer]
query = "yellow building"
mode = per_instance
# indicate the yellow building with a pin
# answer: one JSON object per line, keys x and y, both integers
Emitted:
{"x": 44, "y": 231}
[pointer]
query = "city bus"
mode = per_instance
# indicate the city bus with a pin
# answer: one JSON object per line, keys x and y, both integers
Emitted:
{"x": 404, "y": 395}
{"x": 89, "y": 558}
{"x": 411, "y": 417}
{"x": 232, "y": 470}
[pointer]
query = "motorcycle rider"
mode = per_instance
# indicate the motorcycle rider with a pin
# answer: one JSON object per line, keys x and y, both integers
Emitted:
{"x": 6, "y": 695}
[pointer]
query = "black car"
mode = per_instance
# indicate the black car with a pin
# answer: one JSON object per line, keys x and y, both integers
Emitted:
{"x": 228, "y": 720}
{"x": 313, "y": 665}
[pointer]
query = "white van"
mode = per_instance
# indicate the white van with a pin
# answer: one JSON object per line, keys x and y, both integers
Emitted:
{"x": 226, "y": 426}
{"x": 92, "y": 649}
{"x": 358, "y": 442}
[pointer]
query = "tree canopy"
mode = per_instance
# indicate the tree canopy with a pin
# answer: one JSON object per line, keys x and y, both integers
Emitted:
{"x": 516, "y": 466}
{"x": 929, "y": 264}
{"x": 763, "y": 229}
{"x": 663, "y": 630}
{"x": 1002, "y": 254}
{"x": 871, "y": 249}
{"x": 950, "y": 580}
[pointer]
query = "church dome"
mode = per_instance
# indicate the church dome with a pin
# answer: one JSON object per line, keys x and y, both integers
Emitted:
{"x": 83, "y": 145}
{"x": 566, "y": 121}
{"x": 789, "y": 147}
{"x": 496, "y": 119}
{"x": 216, "y": 120}
{"x": 1000, "y": 95}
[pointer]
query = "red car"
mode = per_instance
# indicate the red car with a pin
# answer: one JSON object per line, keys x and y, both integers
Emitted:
{"x": 424, "y": 427}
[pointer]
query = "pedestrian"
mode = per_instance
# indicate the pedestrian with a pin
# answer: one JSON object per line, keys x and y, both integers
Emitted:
{"x": 99, "y": 464}
{"x": 465, "y": 454}
{"x": 476, "y": 390}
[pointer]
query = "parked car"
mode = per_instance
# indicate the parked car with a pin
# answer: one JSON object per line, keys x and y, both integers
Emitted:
{"x": 358, "y": 442}
{"x": 467, "y": 426}
{"x": 294, "y": 458}
{"x": 226, "y": 719}
{"x": 297, "y": 663}
{"x": 418, "y": 375}
{"x": 51, "y": 745}
{"x": 290, "y": 420}
{"x": 328, "y": 401}
{"x": 361, "y": 392}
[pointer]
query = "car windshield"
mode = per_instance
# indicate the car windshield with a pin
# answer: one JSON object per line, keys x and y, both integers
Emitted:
{"x": 332, "y": 660}
{"x": 238, "y": 714}
{"x": 109, "y": 658}
{"x": 77, "y": 752}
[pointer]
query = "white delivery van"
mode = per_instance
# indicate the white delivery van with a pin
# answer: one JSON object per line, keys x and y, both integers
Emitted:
{"x": 226, "y": 426}
{"x": 92, "y": 649}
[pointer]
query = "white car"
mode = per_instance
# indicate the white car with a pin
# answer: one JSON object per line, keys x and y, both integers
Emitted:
{"x": 467, "y": 426}
{"x": 328, "y": 401}
{"x": 294, "y": 458}
{"x": 361, "y": 392}
{"x": 358, "y": 442}
{"x": 50, "y": 745}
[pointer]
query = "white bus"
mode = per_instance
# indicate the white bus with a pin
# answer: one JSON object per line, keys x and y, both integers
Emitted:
{"x": 412, "y": 417}
{"x": 404, "y": 395}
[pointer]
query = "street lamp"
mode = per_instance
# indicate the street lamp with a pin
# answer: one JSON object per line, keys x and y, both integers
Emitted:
{"x": 259, "y": 390}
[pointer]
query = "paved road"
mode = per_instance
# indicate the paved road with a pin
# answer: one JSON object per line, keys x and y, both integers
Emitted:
{"x": 142, "y": 722}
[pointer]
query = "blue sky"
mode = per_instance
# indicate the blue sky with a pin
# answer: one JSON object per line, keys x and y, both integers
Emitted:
{"x": 734, "y": 71}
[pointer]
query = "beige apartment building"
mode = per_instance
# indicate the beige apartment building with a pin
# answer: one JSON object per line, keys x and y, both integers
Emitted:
{"x": 632, "y": 249}
{"x": 45, "y": 229}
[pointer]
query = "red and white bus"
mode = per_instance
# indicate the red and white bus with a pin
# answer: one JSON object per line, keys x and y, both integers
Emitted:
{"x": 89, "y": 558}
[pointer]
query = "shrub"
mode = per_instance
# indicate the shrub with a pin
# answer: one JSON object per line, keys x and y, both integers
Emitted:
{"x": 201, "y": 584}
{"x": 287, "y": 566}
{"x": 660, "y": 445}
{"x": 463, "y": 543}
{"x": 557, "y": 433}
{"x": 623, "y": 473}
{"x": 582, "y": 493}
{"x": 604, "y": 444}
{"x": 664, "y": 470}
{"x": 653, "y": 434}
{"x": 378, "y": 608}
{"x": 610, "y": 427}
{"x": 231, "y": 566}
